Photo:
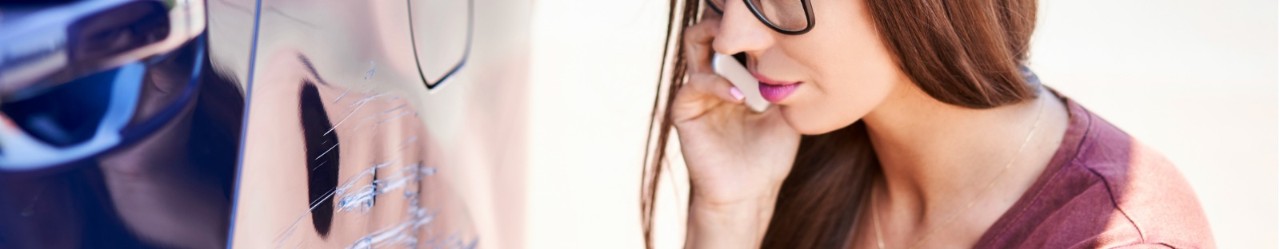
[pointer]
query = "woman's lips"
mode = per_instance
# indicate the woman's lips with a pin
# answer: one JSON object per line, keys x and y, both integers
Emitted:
{"x": 775, "y": 91}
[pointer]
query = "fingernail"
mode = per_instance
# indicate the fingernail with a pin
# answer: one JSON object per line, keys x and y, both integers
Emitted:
{"x": 737, "y": 94}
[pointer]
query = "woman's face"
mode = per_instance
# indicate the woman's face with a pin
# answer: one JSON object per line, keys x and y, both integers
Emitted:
{"x": 842, "y": 67}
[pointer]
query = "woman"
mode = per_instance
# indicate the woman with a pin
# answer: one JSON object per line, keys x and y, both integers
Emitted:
{"x": 901, "y": 124}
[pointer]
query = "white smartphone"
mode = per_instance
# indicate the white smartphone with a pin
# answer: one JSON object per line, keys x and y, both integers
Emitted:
{"x": 729, "y": 68}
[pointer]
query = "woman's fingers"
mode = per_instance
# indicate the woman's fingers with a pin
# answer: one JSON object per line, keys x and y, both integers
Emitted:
{"x": 703, "y": 89}
{"x": 702, "y": 93}
{"x": 713, "y": 85}
{"x": 697, "y": 45}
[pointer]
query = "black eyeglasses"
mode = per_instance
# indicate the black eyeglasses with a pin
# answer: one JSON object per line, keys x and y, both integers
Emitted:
{"x": 792, "y": 17}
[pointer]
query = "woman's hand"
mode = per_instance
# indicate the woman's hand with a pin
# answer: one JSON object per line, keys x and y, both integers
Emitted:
{"x": 737, "y": 159}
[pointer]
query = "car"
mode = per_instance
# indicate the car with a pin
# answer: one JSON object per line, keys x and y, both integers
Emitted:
{"x": 189, "y": 123}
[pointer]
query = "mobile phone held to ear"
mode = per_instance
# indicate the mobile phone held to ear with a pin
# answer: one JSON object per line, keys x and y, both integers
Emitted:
{"x": 729, "y": 68}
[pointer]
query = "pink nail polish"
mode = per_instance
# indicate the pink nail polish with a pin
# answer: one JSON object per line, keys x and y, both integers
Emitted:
{"x": 737, "y": 94}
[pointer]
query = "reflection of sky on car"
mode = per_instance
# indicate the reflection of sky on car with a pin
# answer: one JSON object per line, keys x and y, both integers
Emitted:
{"x": 132, "y": 147}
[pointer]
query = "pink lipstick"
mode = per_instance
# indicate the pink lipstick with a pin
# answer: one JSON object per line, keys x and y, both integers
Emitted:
{"x": 775, "y": 91}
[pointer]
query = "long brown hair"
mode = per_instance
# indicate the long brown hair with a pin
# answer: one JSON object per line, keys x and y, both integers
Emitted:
{"x": 964, "y": 53}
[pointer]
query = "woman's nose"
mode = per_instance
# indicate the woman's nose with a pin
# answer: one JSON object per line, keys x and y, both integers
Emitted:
{"x": 741, "y": 31}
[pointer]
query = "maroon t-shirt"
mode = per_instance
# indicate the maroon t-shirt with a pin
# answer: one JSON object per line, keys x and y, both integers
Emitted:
{"x": 1103, "y": 189}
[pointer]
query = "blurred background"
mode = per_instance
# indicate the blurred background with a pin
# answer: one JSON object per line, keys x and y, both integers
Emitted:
{"x": 1196, "y": 80}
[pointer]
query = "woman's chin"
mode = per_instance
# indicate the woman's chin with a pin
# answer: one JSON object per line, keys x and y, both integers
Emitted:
{"x": 815, "y": 131}
{"x": 813, "y": 124}
{"x": 806, "y": 126}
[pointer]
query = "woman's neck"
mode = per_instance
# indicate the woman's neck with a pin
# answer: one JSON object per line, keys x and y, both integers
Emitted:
{"x": 941, "y": 160}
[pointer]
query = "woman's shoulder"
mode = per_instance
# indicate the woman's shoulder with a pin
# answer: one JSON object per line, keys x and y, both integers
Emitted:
{"x": 1152, "y": 200}
{"x": 1104, "y": 189}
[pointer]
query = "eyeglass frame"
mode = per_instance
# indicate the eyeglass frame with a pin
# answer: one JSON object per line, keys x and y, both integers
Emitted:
{"x": 808, "y": 14}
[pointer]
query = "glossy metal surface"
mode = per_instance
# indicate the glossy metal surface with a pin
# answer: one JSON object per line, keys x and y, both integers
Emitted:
{"x": 312, "y": 124}
{"x": 366, "y": 126}
{"x": 117, "y": 133}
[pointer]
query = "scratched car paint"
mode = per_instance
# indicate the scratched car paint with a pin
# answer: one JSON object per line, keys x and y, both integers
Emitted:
{"x": 317, "y": 125}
